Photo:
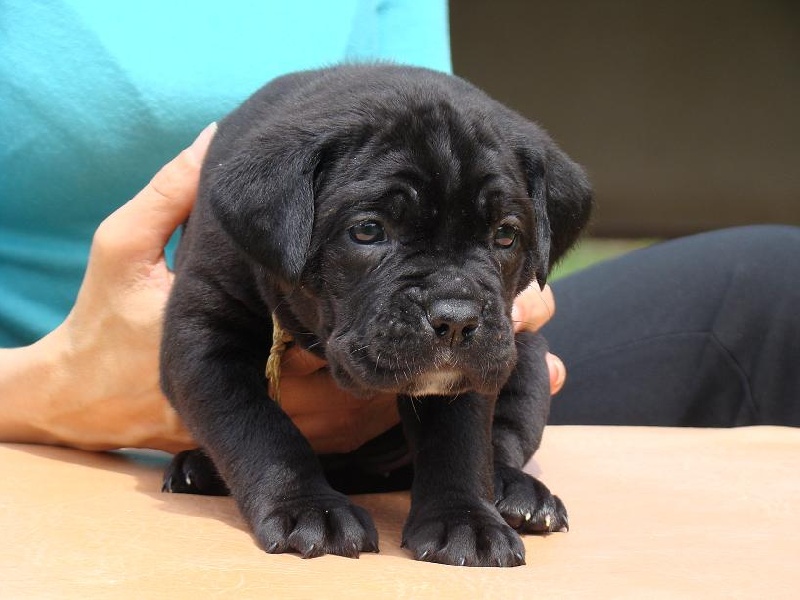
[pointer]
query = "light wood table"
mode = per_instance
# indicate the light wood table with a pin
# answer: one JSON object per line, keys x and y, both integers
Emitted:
{"x": 654, "y": 513}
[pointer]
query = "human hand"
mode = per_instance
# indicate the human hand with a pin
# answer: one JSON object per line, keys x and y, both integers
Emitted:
{"x": 331, "y": 419}
{"x": 532, "y": 309}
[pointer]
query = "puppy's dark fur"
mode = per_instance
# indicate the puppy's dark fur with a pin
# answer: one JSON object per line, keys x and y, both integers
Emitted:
{"x": 388, "y": 216}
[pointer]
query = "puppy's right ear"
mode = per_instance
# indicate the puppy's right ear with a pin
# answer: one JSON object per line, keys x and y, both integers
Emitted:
{"x": 264, "y": 199}
{"x": 557, "y": 186}
{"x": 569, "y": 199}
{"x": 562, "y": 199}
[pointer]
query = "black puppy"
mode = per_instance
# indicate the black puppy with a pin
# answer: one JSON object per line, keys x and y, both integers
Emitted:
{"x": 387, "y": 217}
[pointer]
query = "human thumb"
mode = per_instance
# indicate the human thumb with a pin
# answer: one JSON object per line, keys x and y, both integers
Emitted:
{"x": 141, "y": 228}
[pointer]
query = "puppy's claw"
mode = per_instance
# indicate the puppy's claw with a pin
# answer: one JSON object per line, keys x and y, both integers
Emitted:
{"x": 526, "y": 504}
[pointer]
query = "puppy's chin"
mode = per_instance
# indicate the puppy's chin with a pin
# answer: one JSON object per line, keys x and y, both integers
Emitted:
{"x": 440, "y": 382}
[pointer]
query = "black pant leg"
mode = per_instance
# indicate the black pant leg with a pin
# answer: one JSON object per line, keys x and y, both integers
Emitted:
{"x": 699, "y": 331}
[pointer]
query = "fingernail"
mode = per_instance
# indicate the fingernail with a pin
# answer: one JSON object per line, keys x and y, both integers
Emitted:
{"x": 558, "y": 373}
{"x": 200, "y": 145}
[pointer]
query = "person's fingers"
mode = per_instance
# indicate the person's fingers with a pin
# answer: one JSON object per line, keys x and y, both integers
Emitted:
{"x": 141, "y": 228}
{"x": 558, "y": 373}
{"x": 348, "y": 422}
{"x": 297, "y": 362}
{"x": 533, "y": 308}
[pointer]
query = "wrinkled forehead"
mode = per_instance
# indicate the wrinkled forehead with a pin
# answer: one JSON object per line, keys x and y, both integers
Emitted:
{"x": 431, "y": 159}
{"x": 439, "y": 144}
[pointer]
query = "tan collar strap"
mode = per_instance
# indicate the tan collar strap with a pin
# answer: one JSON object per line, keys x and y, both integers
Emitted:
{"x": 280, "y": 343}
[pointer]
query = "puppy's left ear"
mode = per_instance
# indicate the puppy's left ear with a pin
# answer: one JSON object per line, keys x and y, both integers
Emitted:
{"x": 264, "y": 199}
{"x": 562, "y": 198}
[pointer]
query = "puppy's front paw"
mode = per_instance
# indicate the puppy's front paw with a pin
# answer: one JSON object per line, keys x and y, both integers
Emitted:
{"x": 192, "y": 472}
{"x": 526, "y": 504}
{"x": 472, "y": 534}
{"x": 316, "y": 524}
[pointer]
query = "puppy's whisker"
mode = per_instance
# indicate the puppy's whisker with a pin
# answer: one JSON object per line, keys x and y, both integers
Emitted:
{"x": 544, "y": 302}
{"x": 287, "y": 359}
{"x": 414, "y": 408}
{"x": 523, "y": 344}
{"x": 528, "y": 326}
{"x": 279, "y": 304}
{"x": 531, "y": 323}
{"x": 298, "y": 334}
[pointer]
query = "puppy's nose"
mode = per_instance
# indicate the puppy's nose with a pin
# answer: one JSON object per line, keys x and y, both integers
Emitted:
{"x": 454, "y": 321}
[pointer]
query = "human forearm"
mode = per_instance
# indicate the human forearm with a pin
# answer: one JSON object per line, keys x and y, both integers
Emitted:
{"x": 52, "y": 394}
{"x": 29, "y": 381}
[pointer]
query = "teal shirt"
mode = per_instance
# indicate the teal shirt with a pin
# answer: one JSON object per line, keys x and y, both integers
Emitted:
{"x": 96, "y": 96}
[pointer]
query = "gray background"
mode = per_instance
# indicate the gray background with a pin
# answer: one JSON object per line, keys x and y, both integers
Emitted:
{"x": 685, "y": 113}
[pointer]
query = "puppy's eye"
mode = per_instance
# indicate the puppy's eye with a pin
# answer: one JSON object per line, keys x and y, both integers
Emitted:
{"x": 505, "y": 236}
{"x": 367, "y": 232}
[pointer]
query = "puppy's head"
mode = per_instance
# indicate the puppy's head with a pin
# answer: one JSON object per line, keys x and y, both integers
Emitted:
{"x": 399, "y": 212}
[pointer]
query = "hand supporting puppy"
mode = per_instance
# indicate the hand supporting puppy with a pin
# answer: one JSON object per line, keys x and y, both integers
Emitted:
{"x": 92, "y": 383}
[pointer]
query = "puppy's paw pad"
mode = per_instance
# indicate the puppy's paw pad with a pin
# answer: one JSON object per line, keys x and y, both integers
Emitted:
{"x": 314, "y": 527}
{"x": 526, "y": 504}
{"x": 472, "y": 536}
{"x": 192, "y": 472}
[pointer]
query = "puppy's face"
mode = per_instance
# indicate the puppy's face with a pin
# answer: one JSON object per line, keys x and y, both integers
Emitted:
{"x": 419, "y": 246}
{"x": 399, "y": 225}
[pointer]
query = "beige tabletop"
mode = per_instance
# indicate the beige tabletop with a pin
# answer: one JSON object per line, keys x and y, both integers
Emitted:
{"x": 654, "y": 513}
